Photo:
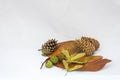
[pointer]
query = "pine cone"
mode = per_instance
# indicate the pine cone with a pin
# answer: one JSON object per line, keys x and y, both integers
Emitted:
{"x": 93, "y": 41}
{"x": 49, "y": 47}
{"x": 87, "y": 47}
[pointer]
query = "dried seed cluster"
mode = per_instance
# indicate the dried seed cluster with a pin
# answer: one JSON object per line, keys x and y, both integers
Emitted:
{"x": 53, "y": 60}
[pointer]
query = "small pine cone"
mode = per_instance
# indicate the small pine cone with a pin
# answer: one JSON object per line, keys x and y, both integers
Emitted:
{"x": 49, "y": 47}
{"x": 93, "y": 41}
{"x": 86, "y": 46}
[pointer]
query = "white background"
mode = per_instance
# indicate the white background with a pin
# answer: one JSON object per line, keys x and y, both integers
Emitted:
{"x": 26, "y": 24}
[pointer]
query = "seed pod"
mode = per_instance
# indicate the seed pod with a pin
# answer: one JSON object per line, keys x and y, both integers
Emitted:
{"x": 54, "y": 59}
{"x": 48, "y": 64}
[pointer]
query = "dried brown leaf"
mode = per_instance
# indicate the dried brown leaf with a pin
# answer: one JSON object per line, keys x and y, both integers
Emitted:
{"x": 68, "y": 45}
{"x": 95, "y": 65}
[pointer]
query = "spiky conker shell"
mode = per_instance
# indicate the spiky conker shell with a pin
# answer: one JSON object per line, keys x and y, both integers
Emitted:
{"x": 49, "y": 47}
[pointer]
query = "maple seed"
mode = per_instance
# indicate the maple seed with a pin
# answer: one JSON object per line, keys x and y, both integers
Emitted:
{"x": 48, "y": 64}
{"x": 54, "y": 59}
